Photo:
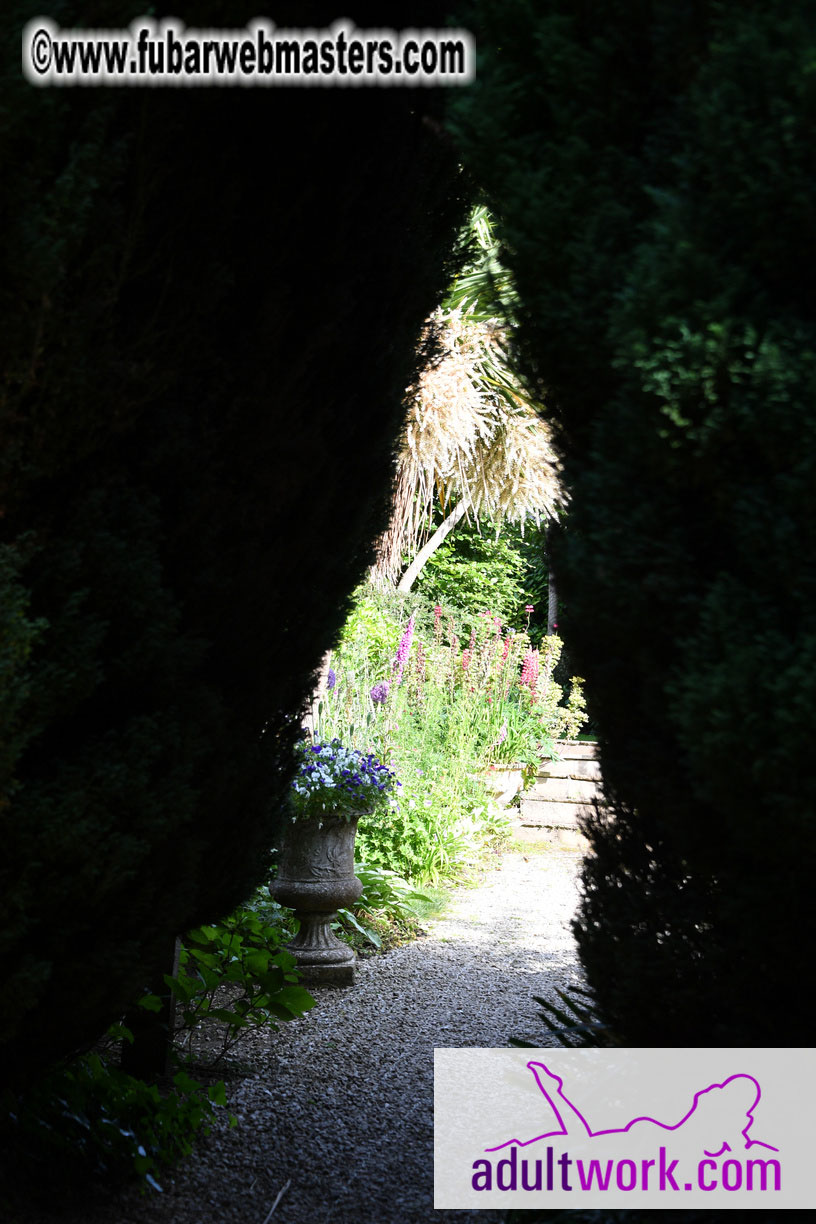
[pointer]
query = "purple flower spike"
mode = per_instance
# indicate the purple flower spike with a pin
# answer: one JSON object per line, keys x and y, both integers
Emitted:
{"x": 331, "y": 679}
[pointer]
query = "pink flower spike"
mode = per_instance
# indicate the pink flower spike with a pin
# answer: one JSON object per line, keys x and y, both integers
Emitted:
{"x": 403, "y": 650}
{"x": 529, "y": 670}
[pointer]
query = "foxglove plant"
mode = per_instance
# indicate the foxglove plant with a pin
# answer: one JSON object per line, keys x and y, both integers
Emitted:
{"x": 529, "y": 672}
{"x": 342, "y": 783}
{"x": 403, "y": 651}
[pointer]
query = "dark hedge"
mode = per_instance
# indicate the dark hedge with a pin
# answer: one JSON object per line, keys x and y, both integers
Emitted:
{"x": 210, "y": 303}
{"x": 654, "y": 174}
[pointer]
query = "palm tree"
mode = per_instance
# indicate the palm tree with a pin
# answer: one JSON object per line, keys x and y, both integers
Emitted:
{"x": 473, "y": 443}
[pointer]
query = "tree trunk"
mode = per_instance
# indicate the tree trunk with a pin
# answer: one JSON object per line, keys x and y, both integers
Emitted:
{"x": 439, "y": 536}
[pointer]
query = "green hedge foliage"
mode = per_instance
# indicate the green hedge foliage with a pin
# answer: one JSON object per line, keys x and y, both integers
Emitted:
{"x": 654, "y": 174}
{"x": 210, "y": 300}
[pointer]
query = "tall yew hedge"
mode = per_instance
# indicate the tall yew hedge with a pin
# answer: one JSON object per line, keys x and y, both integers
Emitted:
{"x": 654, "y": 174}
{"x": 209, "y": 304}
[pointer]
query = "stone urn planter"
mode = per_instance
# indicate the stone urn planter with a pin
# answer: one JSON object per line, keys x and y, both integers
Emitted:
{"x": 333, "y": 788}
{"x": 316, "y": 878}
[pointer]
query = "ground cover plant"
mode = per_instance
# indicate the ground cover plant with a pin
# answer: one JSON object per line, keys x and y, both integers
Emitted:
{"x": 389, "y": 911}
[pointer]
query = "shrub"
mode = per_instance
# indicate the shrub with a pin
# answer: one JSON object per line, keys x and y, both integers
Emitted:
{"x": 653, "y": 181}
{"x": 237, "y": 975}
{"x": 474, "y": 569}
{"x": 202, "y": 378}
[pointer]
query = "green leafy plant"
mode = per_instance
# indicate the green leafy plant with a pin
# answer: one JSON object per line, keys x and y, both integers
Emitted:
{"x": 388, "y": 903}
{"x": 385, "y": 892}
{"x": 238, "y": 974}
{"x": 89, "y": 1119}
{"x": 88, "y": 1116}
{"x": 475, "y": 569}
{"x": 371, "y": 630}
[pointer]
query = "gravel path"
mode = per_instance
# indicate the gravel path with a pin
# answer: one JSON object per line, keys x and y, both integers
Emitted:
{"x": 335, "y": 1118}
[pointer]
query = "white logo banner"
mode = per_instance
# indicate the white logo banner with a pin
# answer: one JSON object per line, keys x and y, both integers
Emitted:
{"x": 673, "y": 1128}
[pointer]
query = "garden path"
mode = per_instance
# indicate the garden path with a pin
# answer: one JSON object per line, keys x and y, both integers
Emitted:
{"x": 335, "y": 1111}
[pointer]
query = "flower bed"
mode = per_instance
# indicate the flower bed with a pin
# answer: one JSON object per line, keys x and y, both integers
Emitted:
{"x": 440, "y": 708}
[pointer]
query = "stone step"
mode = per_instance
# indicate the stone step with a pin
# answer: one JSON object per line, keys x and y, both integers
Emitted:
{"x": 561, "y": 790}
{"x": 575, "y": 750}
{"x": 553, "y": 815}
{"x": 568, "y": 839}
{"x": 583, "y": 768}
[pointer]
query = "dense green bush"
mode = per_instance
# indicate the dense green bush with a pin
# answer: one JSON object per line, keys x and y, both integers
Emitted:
{"x": 474, "y": 570}
{"x": 653, "y": 174}
{"x": 209, "y": 306}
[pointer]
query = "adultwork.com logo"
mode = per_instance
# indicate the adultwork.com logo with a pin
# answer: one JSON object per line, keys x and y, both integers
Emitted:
{"x": 715, "y": 1113}
{"x": 624, "y": 1127}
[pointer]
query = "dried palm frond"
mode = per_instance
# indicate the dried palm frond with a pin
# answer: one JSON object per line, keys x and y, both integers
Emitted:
{"x": 470, "y": 434}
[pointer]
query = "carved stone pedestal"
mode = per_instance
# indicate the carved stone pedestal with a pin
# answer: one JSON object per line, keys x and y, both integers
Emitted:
{"x": 316, "y": 878}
